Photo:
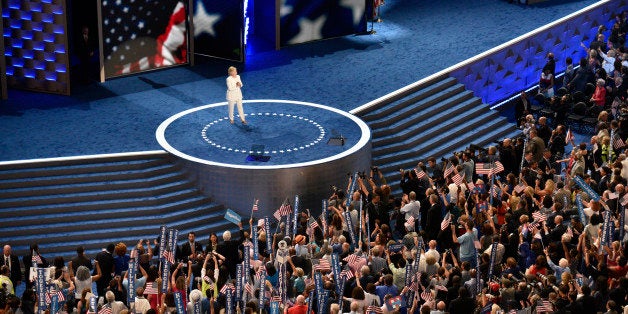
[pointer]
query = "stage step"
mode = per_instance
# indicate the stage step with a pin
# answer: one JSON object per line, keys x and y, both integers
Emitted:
{"x": 435, "y": 118}
{"x": 96, "y": 200}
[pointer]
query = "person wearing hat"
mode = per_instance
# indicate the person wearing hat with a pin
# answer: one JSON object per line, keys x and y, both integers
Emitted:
{"x": 300, "y": 246}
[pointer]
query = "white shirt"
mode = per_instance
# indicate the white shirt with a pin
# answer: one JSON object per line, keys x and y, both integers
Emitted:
{"x": 411, "y": 209}
{"x": 234, "y": 91}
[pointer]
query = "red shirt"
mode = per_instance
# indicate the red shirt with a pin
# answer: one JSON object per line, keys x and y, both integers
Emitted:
{"x": 299, "y": 309}
{"x": 599, "y": 96}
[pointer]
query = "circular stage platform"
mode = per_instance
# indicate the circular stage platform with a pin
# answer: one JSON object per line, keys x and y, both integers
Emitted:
{"x": 287, "y": 148}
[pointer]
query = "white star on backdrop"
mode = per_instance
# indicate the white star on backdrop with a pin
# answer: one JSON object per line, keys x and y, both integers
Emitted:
{"x": 357, "y": 7}
{"x": 309, "y": 30}
{"x": 204, "y": 22}
{"x": 285, "y": 9}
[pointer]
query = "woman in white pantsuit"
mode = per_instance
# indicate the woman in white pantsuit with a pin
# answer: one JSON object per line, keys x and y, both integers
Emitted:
{"x": 234, "y": 94}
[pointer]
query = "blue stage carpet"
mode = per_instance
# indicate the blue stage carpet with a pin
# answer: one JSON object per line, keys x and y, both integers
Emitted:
{"x": 416, "y": 39}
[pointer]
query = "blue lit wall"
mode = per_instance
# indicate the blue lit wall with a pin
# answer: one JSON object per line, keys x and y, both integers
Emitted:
{"x": 508, "y": 71}
{"x": 36, "y": 45}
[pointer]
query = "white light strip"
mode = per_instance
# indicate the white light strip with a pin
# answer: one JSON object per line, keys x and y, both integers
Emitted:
{"x": 83, "y": 157}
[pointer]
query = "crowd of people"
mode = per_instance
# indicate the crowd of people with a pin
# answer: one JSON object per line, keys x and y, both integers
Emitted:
{"x": 532, "y": 224}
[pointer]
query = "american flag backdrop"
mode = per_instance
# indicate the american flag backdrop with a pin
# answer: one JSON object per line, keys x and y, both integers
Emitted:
{"x": 140, "y": 35}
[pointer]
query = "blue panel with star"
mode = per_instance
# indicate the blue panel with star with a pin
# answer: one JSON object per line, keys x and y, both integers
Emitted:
{"x": 308, "y": 20}
{"x": 218, "y": 27}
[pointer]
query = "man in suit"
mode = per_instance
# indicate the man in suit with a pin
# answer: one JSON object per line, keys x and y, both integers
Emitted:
{"x": 13, "y": 263}
{"x": 105, "y": 260}
{"x": 433, "y": 218}
{"x": 536, "y": 146}
{"x": 80, "y": 259}
{"x": 463, "y": 303}
{"x": 191, "y": 249}
{"x": 522, "y": 108}
{"x": 605, "y": 178}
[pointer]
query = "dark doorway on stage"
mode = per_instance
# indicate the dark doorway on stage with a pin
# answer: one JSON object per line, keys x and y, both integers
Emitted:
{"x": 84, "y": 60}
{"x": 261, "y": 30}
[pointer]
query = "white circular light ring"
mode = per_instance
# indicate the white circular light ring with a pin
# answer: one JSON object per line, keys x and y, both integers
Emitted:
{"x": 364, "y": 137}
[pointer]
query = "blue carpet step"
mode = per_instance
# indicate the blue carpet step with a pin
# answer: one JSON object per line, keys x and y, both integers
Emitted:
{"x": 95, "y": 200}
{"x": 95, "y": 175}
{"x": 138, "y": 180}
{"x": 483, "y": 138}
{"x": 29, "y": 225}
{"x": 100, "y": 205}
{"x": 66, "y": 198}
{"x": 410, "y": 95}
{"x": 51, "y": 238}
{"x": 27, "y": 217}
{"x": 453, "y": 132}
{"x": 60, "y": 168}
{"x": 459, "y": 113}
{"x": 441, "y": 99}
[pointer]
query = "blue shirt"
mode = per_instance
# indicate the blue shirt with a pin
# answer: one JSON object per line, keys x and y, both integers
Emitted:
{"x": 467, "y": 245}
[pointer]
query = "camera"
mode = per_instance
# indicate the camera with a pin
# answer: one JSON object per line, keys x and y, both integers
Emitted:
{"x": 374, "y": 168}
{"x": 335, "y": 188}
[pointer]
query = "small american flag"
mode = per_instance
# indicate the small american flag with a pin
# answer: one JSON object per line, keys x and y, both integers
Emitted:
{"x": 544, "y": 306}
{"x": 612, "y": 195}
{"x": 410, "y": 220}
{"x": 519, "y": 188}
{"x": 618, "y": 143}
{"x": 534, "y": 229}
{"x": 206, "y": 279}
{"x": 275, "y": 298}
{"x": 255, "y": 207}
{"x": 538, "y": 216}
{"x": 323, "y": 265}
{"x": 448, "y": 171}
{"x": 426, "y": 295}
{"x": 151, "y": 288}
{"x": 168, "y": 255}
{"x": 353, "y": 260}
{"x": 414, "y": 286}
{"x": 347, "y": 274}
{"x": 36, "y": 258}
{"x": 457, "y": 179}
{"x": 569, "y": 137}
{"x": 133, "y": 254}
{"x": 106, "y": 309}
{"x": 446, "y": 221}
{"x": 488, "y": 168}
{"x": 374, "y": 309}
{"x": 224, "y": 288}
{"x": 624, "y": 200}
{"x": 59, "y": 293}
{"x": 312, "y": 224}
{"x": 248, "y": 288}
{"x": 441, "y": 288}
{"x": 419, "y": 173}
{"x": 284, "y": 210}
